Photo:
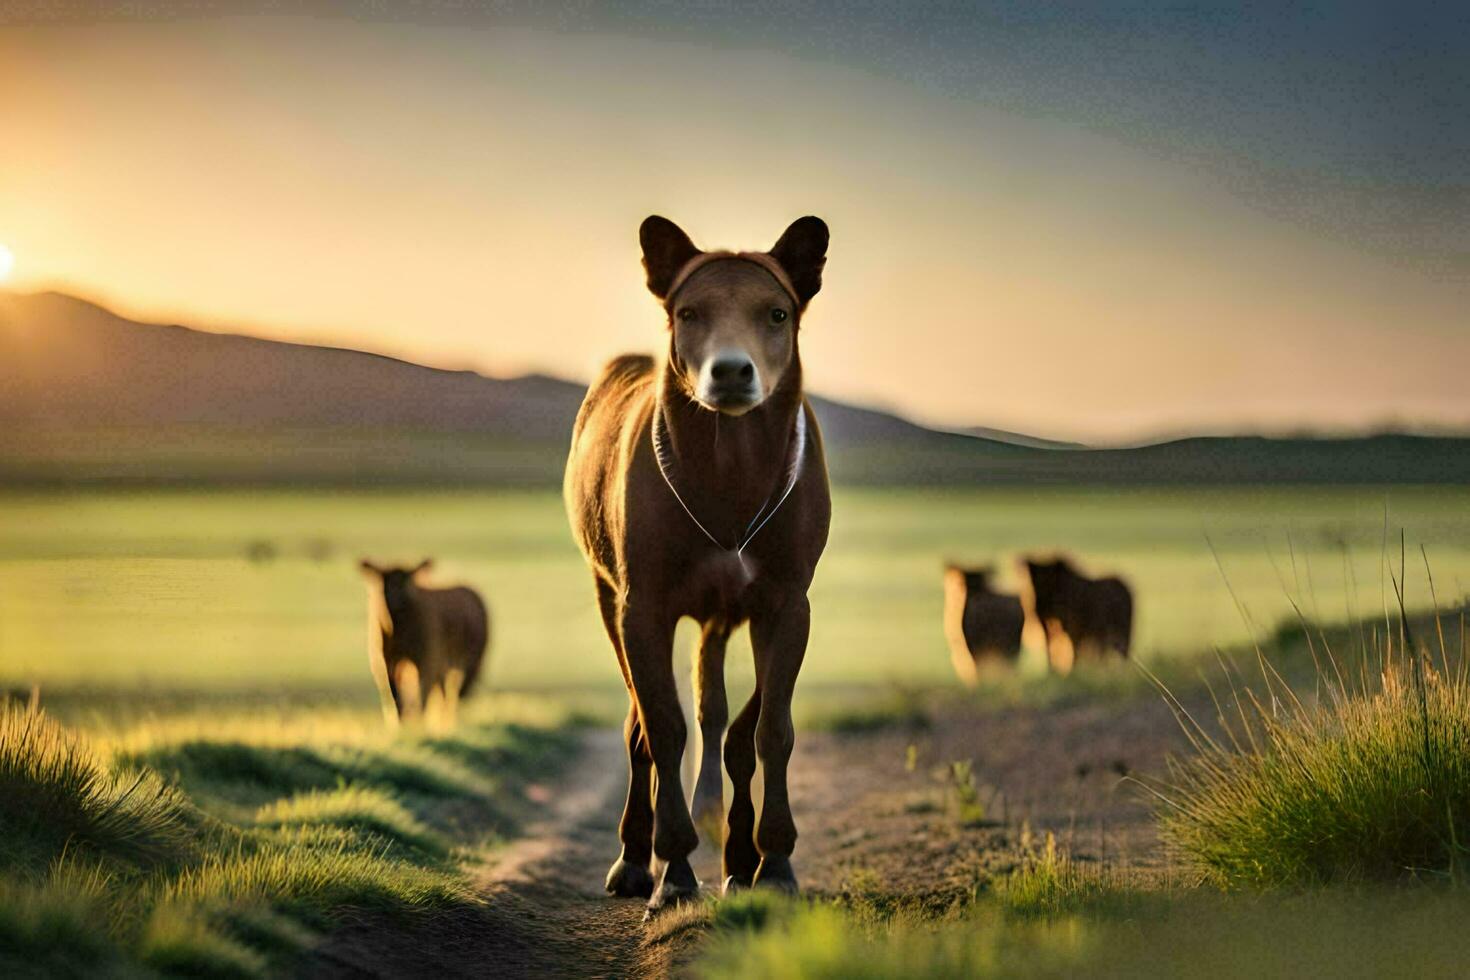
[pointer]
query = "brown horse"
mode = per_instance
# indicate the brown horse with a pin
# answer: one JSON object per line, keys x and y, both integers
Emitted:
{"x": 440, "y": 633}
{"x": 1094, "y": 615}
{"x": 697, "y": 486}
{"x": 981, "y": 624}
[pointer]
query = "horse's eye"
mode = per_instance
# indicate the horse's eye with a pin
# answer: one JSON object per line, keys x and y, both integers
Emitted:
{"x": 687, "y": 313}
{"x": 778, "y": 315}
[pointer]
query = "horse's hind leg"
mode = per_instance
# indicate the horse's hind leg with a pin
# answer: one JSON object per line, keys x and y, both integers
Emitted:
{"x": 629, "y": 876}
{"x": 740, "y": 856}
{"x": 713, "y": 712}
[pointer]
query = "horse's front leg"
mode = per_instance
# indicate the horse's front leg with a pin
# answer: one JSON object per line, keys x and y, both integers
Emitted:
{"x": 648, "y": 643}
{"x": 629, "y": 876}
{"x": 779, "y": 636}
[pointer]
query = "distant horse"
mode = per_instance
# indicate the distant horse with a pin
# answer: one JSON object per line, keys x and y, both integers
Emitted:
{"x": 1093, "y": 616}
{"x": 982, "y": 625}
{"x": 426, "y": 642}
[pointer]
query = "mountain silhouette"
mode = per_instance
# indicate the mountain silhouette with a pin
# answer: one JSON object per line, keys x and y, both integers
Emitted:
{"x": 89, "y": 396}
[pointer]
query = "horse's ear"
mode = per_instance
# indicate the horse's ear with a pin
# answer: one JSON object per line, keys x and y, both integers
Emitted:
{"x": 368, "y": 568}
{"x": 666, "y": 250}
{"x": 802, "y": 252}
{"x": 422, "y": 566}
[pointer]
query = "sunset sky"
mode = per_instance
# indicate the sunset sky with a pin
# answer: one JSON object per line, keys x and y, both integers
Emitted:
{"x": 1089, "y": 221}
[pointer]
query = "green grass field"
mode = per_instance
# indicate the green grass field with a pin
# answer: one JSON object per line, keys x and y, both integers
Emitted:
{"x": 154, "y": 591}
{"x": 209, "y": 647}
{"x": 202, "y": 845}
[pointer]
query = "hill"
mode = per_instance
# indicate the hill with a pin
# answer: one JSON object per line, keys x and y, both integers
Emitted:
{"x": 1018, "y": 438}
{"x": 87, "y": 396}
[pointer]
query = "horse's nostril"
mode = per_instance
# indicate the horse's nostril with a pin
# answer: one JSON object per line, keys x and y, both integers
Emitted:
{"x": 732, "y": 369}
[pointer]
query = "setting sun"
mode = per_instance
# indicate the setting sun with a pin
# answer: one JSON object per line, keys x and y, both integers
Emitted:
{"x": 7, "y": 262}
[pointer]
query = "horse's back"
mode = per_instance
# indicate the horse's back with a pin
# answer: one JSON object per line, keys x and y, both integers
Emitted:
{"x": 603, "y": 441}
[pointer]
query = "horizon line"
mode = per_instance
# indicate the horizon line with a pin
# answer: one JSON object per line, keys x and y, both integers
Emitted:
{"x": 1304, "y": 431}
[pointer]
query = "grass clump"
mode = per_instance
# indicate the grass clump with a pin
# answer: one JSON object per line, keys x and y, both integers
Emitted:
{"x": 1366, "y": 779}
{"x": 180, "y": 940}
{"x": 51, "y": 925}
{"x": 969, "y": 809}
{"x": 361, "y": 809}
{"x": 1052, "y": 884}
{"x": 56, "y": 795}
{"x": 232, "y": 776}
{"x": 318, "y": 881}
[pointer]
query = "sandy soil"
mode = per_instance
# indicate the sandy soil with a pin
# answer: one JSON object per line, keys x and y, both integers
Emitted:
{"x": 882, "y": 812}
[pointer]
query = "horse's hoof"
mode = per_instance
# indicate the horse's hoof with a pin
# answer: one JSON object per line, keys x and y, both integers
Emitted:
{"x": 734, "y": 886}
{"x": 677, "y": 886}
{"x": 775, "y": 873}
{"x": 627, "y": 880}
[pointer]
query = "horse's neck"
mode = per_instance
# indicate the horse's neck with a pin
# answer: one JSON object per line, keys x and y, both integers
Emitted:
{"x": 726, "y": 467}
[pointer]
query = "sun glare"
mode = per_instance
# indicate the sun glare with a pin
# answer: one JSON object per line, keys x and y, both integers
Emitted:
{"x": 7, "y": 262}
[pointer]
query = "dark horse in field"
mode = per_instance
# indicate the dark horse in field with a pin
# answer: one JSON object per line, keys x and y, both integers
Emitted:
{"x": 697, "y": 486}
{"x": 981, "y": 624}
{"x": 440, "y": 633}
{"x": 1094, "y": 615}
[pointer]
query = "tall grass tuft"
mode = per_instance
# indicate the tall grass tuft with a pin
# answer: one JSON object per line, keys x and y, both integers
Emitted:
{"x": 54, "y": 924}
{"x": 1366, "y": 777}
{"x": 57, "y": 796}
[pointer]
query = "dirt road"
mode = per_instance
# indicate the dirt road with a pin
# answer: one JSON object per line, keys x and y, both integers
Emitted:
{"x": 881, "y": 816}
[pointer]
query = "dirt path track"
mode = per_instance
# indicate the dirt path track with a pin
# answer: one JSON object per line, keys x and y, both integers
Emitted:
{"x": 545, "y": 892}
{"x": 545, "y": 913}
{"x": 876, "y": 817}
